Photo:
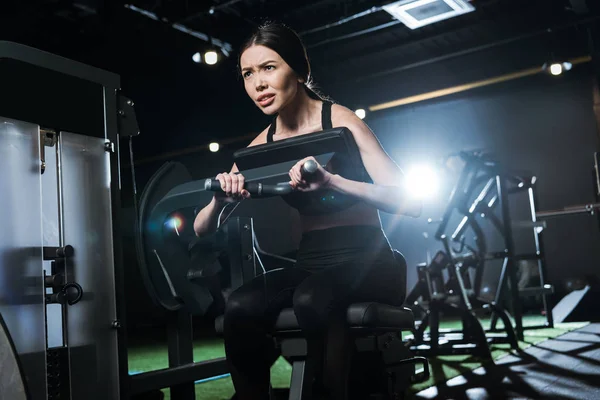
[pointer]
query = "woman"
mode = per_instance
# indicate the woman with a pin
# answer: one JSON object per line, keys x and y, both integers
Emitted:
{"x": 343, "y": 257}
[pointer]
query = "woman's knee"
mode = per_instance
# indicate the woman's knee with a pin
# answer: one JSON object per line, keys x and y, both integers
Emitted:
{"x": 243, "y": 312}
{"x": 312, "y": 308}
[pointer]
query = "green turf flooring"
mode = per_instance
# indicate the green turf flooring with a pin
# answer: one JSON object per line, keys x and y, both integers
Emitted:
{"x": 150, "y": 357}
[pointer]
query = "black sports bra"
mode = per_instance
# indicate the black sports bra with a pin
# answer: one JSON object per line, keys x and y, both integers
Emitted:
{"x": 320, "y": 201}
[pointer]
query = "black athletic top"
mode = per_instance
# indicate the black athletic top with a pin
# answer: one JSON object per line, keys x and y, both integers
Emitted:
{"x": 319, "y": 201}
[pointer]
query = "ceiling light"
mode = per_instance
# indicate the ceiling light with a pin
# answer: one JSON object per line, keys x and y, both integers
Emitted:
{"x": 361, "y": 113}
{"x": 211, "y": 57}
{"x": 417, "y": 13}
{"x": 197, "y": 57}
{"x": 214, "y": 147}
{"x": 557, "y": 68}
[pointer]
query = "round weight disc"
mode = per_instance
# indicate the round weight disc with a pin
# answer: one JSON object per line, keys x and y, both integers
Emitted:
{"x": 163, "y": 238}
{"x": 153, "y": 269}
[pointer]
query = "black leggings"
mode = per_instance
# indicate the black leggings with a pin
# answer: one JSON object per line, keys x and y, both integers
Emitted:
{"x": 335, "y": 267}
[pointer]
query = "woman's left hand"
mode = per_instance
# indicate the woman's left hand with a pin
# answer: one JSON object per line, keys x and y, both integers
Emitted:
{"x": 318, "y": 180}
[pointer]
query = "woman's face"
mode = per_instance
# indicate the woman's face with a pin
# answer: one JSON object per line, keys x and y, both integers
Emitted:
{"x": 268, "y": 79}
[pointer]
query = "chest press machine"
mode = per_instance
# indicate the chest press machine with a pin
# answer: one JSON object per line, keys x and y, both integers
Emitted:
{"x": 191, "y": 279}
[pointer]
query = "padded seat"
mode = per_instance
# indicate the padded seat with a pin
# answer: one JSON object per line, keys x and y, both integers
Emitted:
{"x": 360, "y": 316}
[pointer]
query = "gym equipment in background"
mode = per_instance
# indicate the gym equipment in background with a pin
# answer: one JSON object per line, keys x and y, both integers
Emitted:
{"x": 452, "y": 282}
{"x": 578, "y": 304}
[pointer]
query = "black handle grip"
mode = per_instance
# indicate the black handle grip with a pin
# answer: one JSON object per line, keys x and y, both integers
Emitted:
{"x": 257, "y": 189}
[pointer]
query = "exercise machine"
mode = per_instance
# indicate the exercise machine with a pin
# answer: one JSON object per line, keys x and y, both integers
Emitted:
{"x": 452, "y": 281}
{"x": 61, "y": 302}
{"x": 186, "y": 276}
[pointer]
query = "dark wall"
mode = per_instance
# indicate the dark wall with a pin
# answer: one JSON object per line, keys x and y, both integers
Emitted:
{"x": 541, "y": 124}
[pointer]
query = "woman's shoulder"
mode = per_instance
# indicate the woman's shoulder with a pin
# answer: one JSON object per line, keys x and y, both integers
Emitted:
{"x": 344, "y": 117}
{"x": 261, "y": 138}
{"x": 340, "y": 113}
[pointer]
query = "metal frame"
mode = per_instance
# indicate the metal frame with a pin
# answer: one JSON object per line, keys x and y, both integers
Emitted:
{"x": 508, "y": 274}
{"x": 94, "y": 92}
{"x": 498, "y": 185}
{"x": 182, "y": 372}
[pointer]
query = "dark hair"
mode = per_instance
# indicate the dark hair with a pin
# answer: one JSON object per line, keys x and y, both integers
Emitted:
{"x": 285, "y": 42}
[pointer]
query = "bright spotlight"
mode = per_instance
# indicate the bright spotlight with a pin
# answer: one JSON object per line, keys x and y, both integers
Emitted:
{"x": 211, "y": 57}
{"x": 214, "y": 147}
{"x": 197, "y": 57}
{"x": 422, "y": 181}
{"x": 361, "y": 113}
{"x": 556, "y": 69}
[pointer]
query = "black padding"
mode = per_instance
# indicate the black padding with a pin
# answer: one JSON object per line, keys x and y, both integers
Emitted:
{"x": 374, "y": 316}
{"x": 377, "y": 315}
{"x": 338, "y": 141}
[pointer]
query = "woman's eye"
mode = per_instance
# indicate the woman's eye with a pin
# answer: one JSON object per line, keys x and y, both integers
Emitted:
{"x": 269, "y": 67}
{"x": 246, "y": 74}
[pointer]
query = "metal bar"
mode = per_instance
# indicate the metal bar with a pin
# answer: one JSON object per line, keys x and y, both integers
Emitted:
{"x": 57, "y": 63}
{"x": 210, "y": 10}
{"x": 455, "y": 197}
{"x": 342, "y": 21}
{"x": 539, "y": 248}
{"x": 510, "y": 249}
{"x": 528, "y": 257}
{"x": 473, "y": 209}
{"x": 534, "y": 291}
{"x": 240, "y": 251}
{"x": 299, "y": 385}
{"x": 355, "y": 34}
{"x": 181, "y": 351}
{"x": 119, "y": 322}
{"x": 499, "y": 294}
{"x": 570, "y": 210}
{"x": 148, "y": 381}
{"x": 225, "y": 47}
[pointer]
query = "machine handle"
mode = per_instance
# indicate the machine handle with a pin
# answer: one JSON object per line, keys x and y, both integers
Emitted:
{"x": 258, "y": 189}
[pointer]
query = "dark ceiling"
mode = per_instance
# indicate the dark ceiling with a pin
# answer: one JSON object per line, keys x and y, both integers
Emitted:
{"x": 349, "y": 42}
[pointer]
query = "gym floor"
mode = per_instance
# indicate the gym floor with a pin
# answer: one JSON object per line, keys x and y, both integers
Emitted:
{"x": 565, "y": 367}
{"x": 558, "y": 363}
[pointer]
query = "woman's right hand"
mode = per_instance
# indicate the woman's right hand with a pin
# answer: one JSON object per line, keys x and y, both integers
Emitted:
{"x": 233, "y": 188}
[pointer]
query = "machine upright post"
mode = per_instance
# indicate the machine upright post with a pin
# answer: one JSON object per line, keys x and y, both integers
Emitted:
{"x": 510, "y": 255}
{"x": 181, "y": 350}
{"x": 541, "y": 255}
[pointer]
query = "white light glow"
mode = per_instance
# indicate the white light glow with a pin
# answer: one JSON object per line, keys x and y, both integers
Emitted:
{"x": 422, "y": 181}
{"x": 361, "y": 113}
{"x": 197, "y": 57}
{"x": 211, "y": 57}
{"x": 556, "y": 69}
{"x": 214, "y": 147}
